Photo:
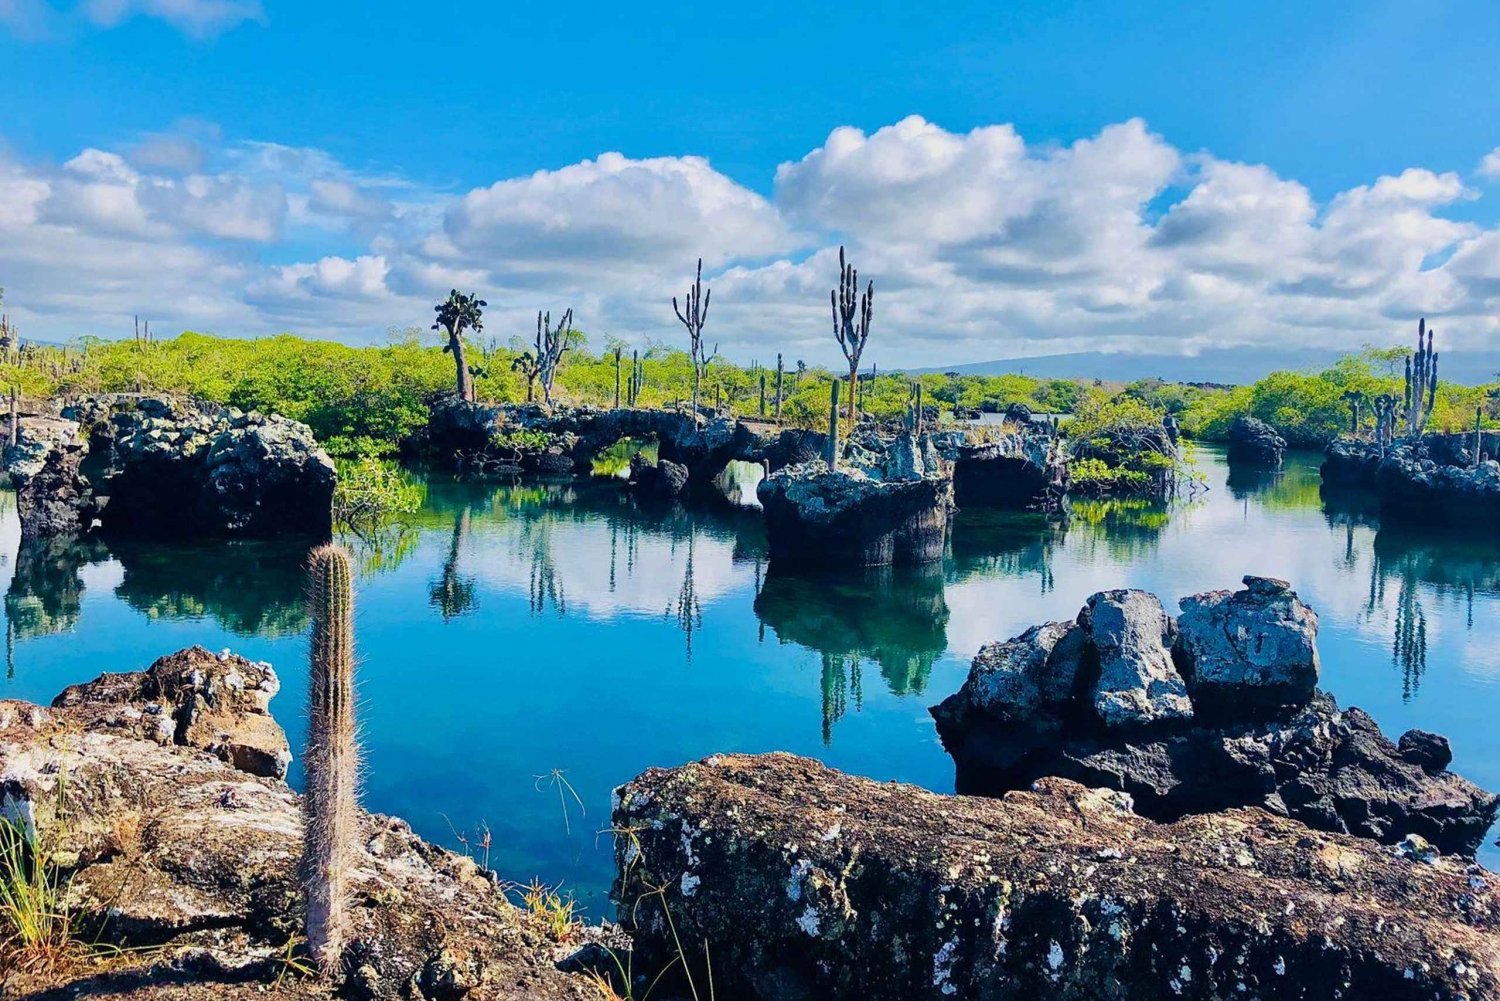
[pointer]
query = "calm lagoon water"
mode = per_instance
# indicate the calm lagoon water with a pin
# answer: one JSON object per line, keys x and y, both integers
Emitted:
{"x": 517, "y": 630}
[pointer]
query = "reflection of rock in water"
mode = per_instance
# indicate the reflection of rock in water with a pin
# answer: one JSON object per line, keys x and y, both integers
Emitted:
{"x": 46, "y": 592}
{"x": 250, "y": 587}
{"x": 992, "y": 543}
{"x": 895, "y": 617}
{"x": 1245, "y": 480}
{"x": 1437, "y": 563}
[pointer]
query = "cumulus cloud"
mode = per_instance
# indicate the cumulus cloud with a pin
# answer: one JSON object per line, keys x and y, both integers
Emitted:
{"x": 981, "y": 245}
{"x": 1489, "y": 167}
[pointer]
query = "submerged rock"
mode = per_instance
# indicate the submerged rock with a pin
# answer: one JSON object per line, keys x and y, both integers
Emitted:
{"x": 1254, "y": 441}
{"x": 810, "y": 884}
{"x": 1103, "y": 703}
{"x": 662, "y": 480}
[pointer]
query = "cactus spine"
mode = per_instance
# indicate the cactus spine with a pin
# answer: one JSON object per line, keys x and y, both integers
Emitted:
{"x": 331, "y": 757}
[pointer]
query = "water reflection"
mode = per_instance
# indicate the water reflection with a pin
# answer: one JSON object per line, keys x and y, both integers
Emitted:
{"x": 46, "y": 590}
{"x": 895, "y": 617}
{"x": 452, "y": 593}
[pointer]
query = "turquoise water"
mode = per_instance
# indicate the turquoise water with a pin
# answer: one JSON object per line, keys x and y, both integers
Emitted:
{"x": 519, "y": 630}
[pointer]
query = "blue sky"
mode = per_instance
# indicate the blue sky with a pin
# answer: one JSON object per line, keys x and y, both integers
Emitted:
{"x": 415, "y": 115}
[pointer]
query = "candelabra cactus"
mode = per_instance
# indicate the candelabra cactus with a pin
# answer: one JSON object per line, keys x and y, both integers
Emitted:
{"x": 852, "y": 314}
{"x": 1356, "y": 399}
{"x": 693, "y": 314}
{"x": 551, "y": 343}
{"x": 1421, "y": 382}
{"x": 331, "y": 757}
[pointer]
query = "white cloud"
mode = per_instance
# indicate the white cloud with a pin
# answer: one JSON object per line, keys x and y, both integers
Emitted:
{"x": 980, "y": 245}
{"x": 1489, "y": 167}
{"x": 197, "y": 18}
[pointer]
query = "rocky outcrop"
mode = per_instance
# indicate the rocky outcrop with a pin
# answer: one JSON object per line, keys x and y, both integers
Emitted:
{"x": 53, "y": 497}
{"x": 1212, "y": 710}
{"x": 1008, "y": 469}
{"x": 1252, "y": 440}
{"x": 182, "y": 869}
{"x": 143, "y": 466}
{"x": 189, "y": 470}
{"x": 808, "y": 884}
{"x": 217, "y": 703}
{"x": 1433, "y": 480}
{"x": 661, "y": 480}
{"x": 872, "y": 510}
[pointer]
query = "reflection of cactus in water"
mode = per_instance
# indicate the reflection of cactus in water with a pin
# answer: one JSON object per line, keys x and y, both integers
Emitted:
{"x": 453, "y": 594}
{"x": 686, "y": 608}
{"x": 331, "y": 758}
{"x": 842, "y": 678}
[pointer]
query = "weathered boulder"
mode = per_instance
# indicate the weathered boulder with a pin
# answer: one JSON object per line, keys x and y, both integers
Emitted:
{"x": 662, "y": 480}
{"x": 1130, "y": 636}
{"x": 190, "y": 868}
{"x": 193, "y": 698}
{"x": 1034, "y": 675}
{"x": 860, "y": 514}
{"x": 1248, "y": 728}
{"x": 1252, "y": 440}
{"x": 808, "y": 884}
{"x": 1249, "y": 649}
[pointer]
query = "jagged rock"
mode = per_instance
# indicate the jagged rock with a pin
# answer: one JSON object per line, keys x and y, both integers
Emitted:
{"x": 1034, "y": 674}
{"x": 1259, "y": 737}
{"x": 1433, "y": 479}
{"x": 1250, "y": 649}
{"x": 1130, "y": 635}
{"x": 854, "y": 516}
{"x": 1005, "y": 469}
{"x": 187, "y": 469}
{"x": 193, "y": 698}
{"x": 191, "y": 867}
{"x": 53, "y": 497}
{"x": 810, "y": 884}
{"x": 1253, "y": 440}
{"x": 1429, "y": 751}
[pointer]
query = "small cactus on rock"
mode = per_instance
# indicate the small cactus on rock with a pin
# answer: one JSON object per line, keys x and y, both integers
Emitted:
{"x": 331, "y": 757}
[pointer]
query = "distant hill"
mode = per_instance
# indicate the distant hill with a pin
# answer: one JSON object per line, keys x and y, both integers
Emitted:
{"x": 1227, "y": 365}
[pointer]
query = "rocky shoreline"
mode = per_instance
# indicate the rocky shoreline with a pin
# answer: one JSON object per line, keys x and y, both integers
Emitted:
{"x": 1435, "y": 479}
{"x": 1211, "y": 710}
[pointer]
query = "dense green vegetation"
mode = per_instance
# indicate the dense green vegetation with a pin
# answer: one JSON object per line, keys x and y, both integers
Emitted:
{"x": 361, "y": 401}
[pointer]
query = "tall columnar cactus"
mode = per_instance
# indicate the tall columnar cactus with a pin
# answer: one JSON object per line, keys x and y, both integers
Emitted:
{"x": 833, "y": 425}
{"x": 1384, "y": 406}
{"x": 693, "y": 314}
{"x": 780, "y": 372}
{"x": 551, "y": 343}
{"x": 1421, "y": 382}
{"x": 331, "y": 757}
{"x": 1478, "y": 436}
{"x": 852, "y": 314}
